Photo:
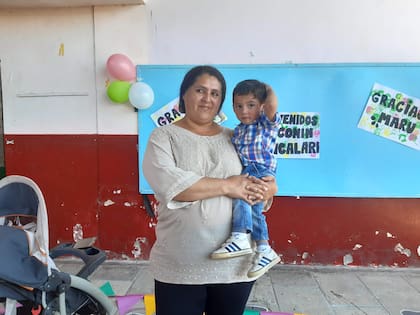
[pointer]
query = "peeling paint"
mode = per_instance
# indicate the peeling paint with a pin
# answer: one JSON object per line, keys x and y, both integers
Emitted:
{"x": 389, "y": 235}
{"x": 108, "y": 203}
{"x": 124, "y": 256}
{"x": 418, "y": 250}
{"x": 357, "y": 246}
{"x": 347, "y": 259}
{"x": 137, "y": 246}
{"x": 127, "y": 204}
{"x": 152, "y": 224}
{"x": 117, "y": 192}
{"x": 77, "y": 232}
{"x": 10, "y": 141}
{"x": 376, "y": 232}
{"x": 404, "y": 251}
{"x": 305, "y": 255}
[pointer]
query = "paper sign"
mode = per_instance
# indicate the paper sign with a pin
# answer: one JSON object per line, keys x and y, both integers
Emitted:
{"x": 126, "y": 303}
{"x": 106, "y": 288}
{"x": 299, "y": 136}
{"x": 149, "y": 304}
{"x": 393, "y": 115}
{"x": 169, "y": 113}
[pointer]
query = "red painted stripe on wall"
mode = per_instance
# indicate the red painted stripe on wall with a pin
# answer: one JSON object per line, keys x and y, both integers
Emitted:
{"x": 92, "y": 180}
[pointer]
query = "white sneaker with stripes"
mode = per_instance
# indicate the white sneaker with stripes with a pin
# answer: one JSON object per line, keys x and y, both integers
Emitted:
{"x": 263, "y": 262}
{"x": 233, "y": 247}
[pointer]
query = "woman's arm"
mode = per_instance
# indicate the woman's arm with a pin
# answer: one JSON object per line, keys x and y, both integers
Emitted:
{"x": 172, "y": 183}
{"x": 240, "y": 186}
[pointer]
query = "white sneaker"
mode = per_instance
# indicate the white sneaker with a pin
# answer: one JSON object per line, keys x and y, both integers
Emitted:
{"x": 233, "y": 247}
{"x": 263, "y": 262}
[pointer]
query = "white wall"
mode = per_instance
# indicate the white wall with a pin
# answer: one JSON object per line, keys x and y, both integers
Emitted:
{"x": 43, "y": 91}
{"x": 48, "y": 93}
{"x": 35, "y": 77}
{"x": 284, "y": 31}
{"x": 119, "y": 29}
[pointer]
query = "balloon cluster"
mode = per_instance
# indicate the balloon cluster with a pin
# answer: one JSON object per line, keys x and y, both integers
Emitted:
{"x": 124, "y": 88}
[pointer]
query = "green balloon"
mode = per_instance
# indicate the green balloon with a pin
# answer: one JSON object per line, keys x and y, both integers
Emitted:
{"x": 118, "y": 91}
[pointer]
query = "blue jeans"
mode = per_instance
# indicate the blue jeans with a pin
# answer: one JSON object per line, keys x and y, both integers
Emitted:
{"x": 251, "y": 218}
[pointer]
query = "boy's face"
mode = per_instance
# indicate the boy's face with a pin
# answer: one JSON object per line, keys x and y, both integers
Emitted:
{"x": 247, "y": 108}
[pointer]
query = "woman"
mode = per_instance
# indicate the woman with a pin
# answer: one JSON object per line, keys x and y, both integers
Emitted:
{"x": 193, "y": 169}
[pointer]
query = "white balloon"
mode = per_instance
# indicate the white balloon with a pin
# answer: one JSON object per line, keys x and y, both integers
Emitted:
{"x": 141, "y": 95}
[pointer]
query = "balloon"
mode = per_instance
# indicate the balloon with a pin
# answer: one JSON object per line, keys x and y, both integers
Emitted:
{"x": 121, "y": 67}
{"x": 141, "y": 95}
{"x": 118, "y": 91}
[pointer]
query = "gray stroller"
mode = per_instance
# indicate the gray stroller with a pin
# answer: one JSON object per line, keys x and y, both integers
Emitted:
{"x": 30, "y": 282}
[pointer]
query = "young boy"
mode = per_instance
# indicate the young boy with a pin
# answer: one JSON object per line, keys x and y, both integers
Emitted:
{"x": 255, "y": 105}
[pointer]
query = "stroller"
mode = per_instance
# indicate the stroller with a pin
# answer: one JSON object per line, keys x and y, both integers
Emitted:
{"x": 30, "y": 282}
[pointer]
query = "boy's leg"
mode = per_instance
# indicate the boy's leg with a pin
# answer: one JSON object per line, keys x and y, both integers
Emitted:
{"x": 259, "y": 223}
{"x": 241, "y": 216}
{"x": 238, "y": 243}
{"x": 265, "y": 257}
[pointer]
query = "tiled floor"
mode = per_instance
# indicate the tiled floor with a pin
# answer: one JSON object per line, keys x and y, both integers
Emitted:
{"x": 310, "y": 290}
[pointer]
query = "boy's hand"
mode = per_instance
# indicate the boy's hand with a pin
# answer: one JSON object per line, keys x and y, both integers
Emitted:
{"x": 271, "y": 103}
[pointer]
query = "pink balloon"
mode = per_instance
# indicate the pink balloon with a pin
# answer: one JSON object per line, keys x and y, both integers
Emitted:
{"x": 121, "y": 67}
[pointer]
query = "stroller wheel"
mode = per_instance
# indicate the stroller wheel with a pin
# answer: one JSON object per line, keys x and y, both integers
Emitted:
{"x": 91, "y": 307}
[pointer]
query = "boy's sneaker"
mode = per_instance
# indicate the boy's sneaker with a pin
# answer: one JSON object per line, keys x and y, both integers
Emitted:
{"x": 233, "y": 247}
{"x": 263, "y": 262}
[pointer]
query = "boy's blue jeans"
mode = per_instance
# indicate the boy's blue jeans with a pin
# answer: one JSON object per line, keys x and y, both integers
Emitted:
{"x": 247, "y": 218}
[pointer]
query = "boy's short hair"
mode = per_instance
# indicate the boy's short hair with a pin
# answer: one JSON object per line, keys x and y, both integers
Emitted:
{"x": 255, "y": 87}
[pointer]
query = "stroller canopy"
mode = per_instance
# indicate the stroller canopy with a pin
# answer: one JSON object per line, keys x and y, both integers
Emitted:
{"x": 23, "y": 232}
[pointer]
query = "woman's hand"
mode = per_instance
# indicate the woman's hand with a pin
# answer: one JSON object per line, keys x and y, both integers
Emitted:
{"x": 248, "y": 188}
{"x": 271, "y": 183}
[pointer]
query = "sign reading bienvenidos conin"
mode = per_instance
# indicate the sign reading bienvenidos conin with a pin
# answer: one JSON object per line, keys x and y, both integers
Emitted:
{"x": 393, "y": 115}
{"x": 298, "y": 136}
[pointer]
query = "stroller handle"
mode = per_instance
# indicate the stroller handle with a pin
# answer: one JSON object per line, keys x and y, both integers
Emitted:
{"x": 91, "y": 256}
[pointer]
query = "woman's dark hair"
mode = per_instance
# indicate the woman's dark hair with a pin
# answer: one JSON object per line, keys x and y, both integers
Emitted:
{"x": 190, "y": 78}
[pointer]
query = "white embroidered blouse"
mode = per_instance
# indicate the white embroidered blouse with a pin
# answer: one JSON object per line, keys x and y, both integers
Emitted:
{"x": 188, "y": 232}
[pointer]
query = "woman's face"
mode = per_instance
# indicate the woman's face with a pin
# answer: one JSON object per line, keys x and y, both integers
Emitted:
{"x": 202, "y": 99}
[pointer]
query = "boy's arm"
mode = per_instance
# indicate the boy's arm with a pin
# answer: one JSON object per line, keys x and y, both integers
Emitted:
{"x": 270, "y": 104}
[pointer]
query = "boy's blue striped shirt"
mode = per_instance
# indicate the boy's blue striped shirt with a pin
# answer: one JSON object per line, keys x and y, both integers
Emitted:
{"x": 256, "y": 142}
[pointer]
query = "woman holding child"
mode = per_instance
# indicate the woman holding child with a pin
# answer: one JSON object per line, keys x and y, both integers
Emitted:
{"x": 193, "y": 169}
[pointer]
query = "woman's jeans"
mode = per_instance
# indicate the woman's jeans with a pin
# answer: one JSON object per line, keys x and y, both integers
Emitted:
{"x": 247, "y": 218}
